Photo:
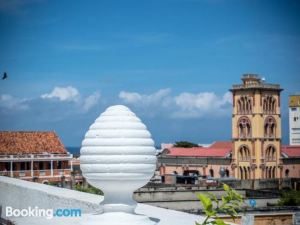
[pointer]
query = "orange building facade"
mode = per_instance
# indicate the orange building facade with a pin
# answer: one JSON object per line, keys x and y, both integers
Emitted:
{"x": 34, "y": 156}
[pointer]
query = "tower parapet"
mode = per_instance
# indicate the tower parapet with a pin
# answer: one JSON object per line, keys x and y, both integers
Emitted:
{"x": 254, "y": 81}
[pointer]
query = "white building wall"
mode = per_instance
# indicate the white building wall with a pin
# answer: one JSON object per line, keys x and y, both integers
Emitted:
{"x": 294, "y": 122}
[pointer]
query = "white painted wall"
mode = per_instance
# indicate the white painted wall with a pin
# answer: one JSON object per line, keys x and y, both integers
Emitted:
{"x": 294, "y": 122}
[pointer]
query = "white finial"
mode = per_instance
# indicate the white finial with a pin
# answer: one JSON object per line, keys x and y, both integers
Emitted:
{"x": 118, "y": 156}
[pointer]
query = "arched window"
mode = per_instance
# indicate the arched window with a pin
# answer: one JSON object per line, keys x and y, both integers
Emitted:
{"x": 244, "y": 105}
{"x": 269, "y": 104}
{"x": 270, "y": 153}
{"x": 244, "y": 127}
{"x": 241, "y": 173}
{"x": 274, "y": 172}
{"x": 241, "y": 154}
{"x": 287, "y": 173}
{"x": 244, "y": 153}
{"x": 211, "y": 172}
{"x": 239, "y": 106}
{"x": 246, "y": 172}
{"x": 249, "y": 173}
{"x": 270, "y": 127}
{"x": 227, "y": 173}
{"x": 270, "y": 172}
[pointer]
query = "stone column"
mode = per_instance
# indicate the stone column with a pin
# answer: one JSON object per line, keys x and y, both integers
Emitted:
{"x": 11, "y": 169}
{"x": 31, "y": 166}
{"x": 51, "y": 167}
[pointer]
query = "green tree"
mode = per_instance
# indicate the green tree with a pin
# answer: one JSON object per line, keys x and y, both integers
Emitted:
{"x": 185, "y": 144}
{"x": 228, "y": 205}
{"x": 289, "y": 198}
{"x": 88, "y": 189}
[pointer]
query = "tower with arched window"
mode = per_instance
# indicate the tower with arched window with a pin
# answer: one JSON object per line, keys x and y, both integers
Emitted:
{"x": 256, "y": 129}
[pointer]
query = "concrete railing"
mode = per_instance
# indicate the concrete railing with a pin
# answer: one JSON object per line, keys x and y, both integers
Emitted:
{"x": 21, "y": 194}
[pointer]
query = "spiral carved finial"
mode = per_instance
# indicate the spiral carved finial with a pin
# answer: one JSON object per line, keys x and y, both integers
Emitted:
{"x": 118, "y": 156}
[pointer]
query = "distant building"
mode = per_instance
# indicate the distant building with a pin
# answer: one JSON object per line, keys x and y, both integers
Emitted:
{"x": 255, "y": 151}
{"x": 290, "y": 155}
{"x": 294, "y": 119}
{"x": 36, "y": 156}
{"x": 190, "y": 163}
{"x": 256, "y": 129}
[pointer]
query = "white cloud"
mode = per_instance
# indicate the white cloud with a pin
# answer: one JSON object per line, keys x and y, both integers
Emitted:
{"x": 189, "y": 101}
{"x": 201, "y": 104}
{"x": 91, "y": 101}
{"x": 227, "y": 98}
{"x": 71, "y": 94}
{"x": 159, "y": 97}
{"x": 184, "y": 105}
{"x": 68, "y": 93}
{"x": 159, "y": 103}
{"x": 203, "y": 101}
{"x": 130, "y": 97}
{"x": 12, "y": 103}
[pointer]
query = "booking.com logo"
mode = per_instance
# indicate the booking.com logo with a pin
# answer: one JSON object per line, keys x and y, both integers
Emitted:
{"x": 37, "y": 212}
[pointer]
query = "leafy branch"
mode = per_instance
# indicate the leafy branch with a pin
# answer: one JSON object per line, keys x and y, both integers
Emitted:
{"x": 228, "y": 205}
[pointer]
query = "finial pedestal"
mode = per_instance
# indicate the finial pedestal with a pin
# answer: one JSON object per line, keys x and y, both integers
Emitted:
{"x": 118, "y": 156}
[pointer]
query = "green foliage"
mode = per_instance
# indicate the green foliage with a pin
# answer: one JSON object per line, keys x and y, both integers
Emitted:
{"x": 289, "y": 198}
{"x": 88, "y": 189}
{"x": 52, "y": 183}
{"x": 185, "y": 144}
{"x": 228, "y": 205}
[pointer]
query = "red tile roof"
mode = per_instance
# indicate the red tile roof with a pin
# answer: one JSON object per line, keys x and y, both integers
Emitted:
{"x": 221, "y": 144}
{"x": 291, "y": 150}
{"x": 217, "y": 149}
{"x": 30, "y": 142}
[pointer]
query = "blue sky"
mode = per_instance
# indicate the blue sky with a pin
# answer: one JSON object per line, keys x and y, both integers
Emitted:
{"x": 171, "y": 61}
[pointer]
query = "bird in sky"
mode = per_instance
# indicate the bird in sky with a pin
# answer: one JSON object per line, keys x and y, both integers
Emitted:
{"x": 4, "y": 76}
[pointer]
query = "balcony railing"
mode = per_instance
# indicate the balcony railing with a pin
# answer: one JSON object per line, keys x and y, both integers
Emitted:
{"x": 269, "y": 136}
{"x": 36, "y": 173}
{"x": 256, "y": 85}
{"x": 245, "y": 136}
{"x": 244, "y": 112}
{"x": 270, "y": 159}
{"x": 244, "y": 159}
{"x": 35, "y": 157}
